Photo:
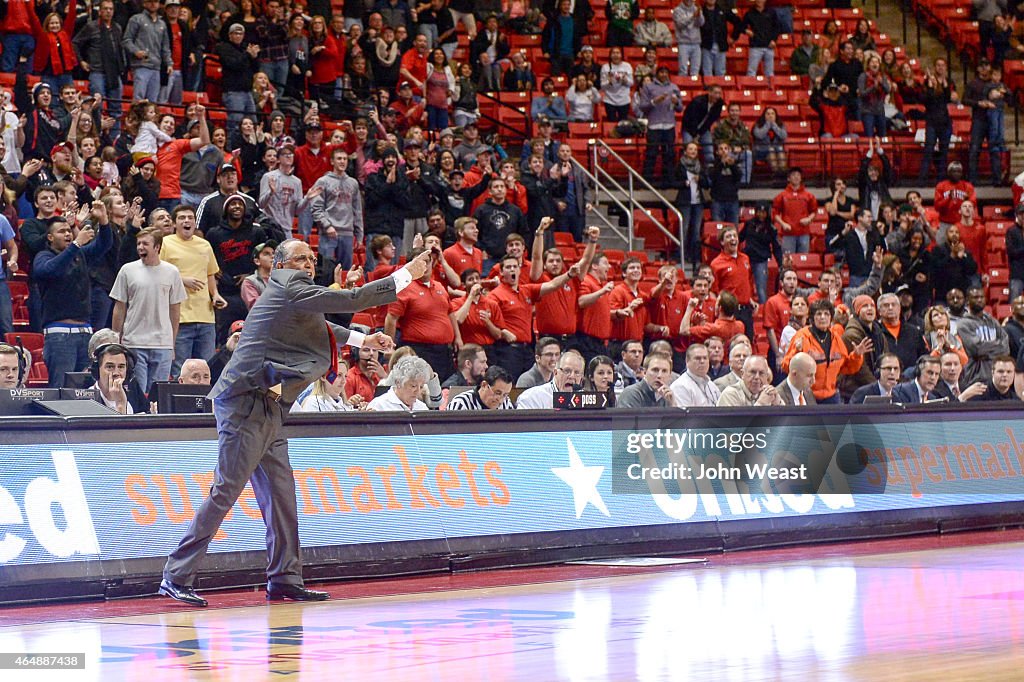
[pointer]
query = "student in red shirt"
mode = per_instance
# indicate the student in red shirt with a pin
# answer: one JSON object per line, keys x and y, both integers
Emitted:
{"x": 556, "y": 313}
{"x": 465, "y": 254}
{"x": 414, "y": 63}
{"x": 949, "y": 194}
{"x": 972, "y": 231}
{"x": 312, "y": 161}
{"x": 726, "y": 326}
{"x": 168, "y": 160}
{"x": 630, "y": 319}
{"x": 668, "y": 303}
{"x": 514, "y": 351}
{"x": 364, "y": 374}
{"x": 794, "y": 209}
{"x": 733, "y": 273}
{"x": 477, "y": 314}
{"x": 776, "y": 314}
{"x": 423, "y": 312}
{"x": 594, "y": 326}
{"x": 515, "y": 246}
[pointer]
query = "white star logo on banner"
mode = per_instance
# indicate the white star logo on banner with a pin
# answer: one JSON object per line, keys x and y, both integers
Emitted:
{"x": 583, "y": 481}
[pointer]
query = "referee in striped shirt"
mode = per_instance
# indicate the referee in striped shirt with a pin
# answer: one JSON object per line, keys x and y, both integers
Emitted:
{"x": 492, "y": 393}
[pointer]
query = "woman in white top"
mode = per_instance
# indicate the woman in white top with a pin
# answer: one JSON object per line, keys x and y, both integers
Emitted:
{"x": 582, "y": 97}
{"x": 409, "y": 375}
{"x": 616, "y": 81}
{"x": 798, "y": 313}
{"x": 328, "y": 396}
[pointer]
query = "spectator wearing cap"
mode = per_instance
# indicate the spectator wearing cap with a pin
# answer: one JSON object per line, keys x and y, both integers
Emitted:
{"x": 254, "y": 284}
{"x": 43, "y": 128}
{"x": 180, "y": 36}
{"x": 660, "y": 101}
{"x": 386, "y": 200}
{"x": 148, "y": 45}
{"x": 233, "y": 241}
{"x": 99, "y": 51}
{"x": 194, "y": 258}
{"x": 805, "y": 54}
{"x": 211, "y": 209}
{"x": 421, "y": 182}
{"x": 239, "y": 64}
{"x": 545, "y": 129}
{"x": 337, "y": 207}
{"x": 586, "y": 66}
{"x": 550, "y": 107}
{"x": 487, "y": 51}
{"x": 148, "y": 294}
{"x": 278, "y": 135}
{"x": 410, "y": 106}
{"x": 471, "y": 144}
{"x": 220, "y": 359}
{"x": 863, "y": 324}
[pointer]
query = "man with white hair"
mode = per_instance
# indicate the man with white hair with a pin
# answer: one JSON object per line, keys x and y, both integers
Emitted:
{"x": 738, "y": 353}
{"x": 754, "y": 389}
{"x": 568, "y": 373}
{"x": 694, "y": 387}
{"x": 195, "y": 372}
{"x": 409, "y": 376}
{"x": 796, "y": 388}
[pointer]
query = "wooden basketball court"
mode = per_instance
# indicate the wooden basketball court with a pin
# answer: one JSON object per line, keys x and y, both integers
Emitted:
{"x": 933, "y": 608}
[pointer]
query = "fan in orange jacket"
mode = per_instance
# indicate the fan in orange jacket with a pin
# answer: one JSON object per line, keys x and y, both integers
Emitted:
{"x": 825, "y": 344}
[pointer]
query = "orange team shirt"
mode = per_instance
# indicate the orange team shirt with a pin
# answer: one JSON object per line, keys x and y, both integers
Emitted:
{"x": 168, "y": 167}
{"x": 776, "y": 312}
{"x": 524, "y": 272}
{"x": 595, "y": 320}
{"x": 734, "y": 275}
{"x": 473, "y": 329}
{"x": 556, "y": 311}
{"x": 517, "y": 308}
{"x": 461, "y": 260}
{"x": 357, "y": 383}
{"x": 422, "y": 312}
{"x": 628, "y": 328}
{"x": 668, "y": 311}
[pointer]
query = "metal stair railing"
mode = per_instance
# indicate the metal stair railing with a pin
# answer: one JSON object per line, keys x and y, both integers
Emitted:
{"x": 609, "y": 223}
{"x": 603, "y": 179}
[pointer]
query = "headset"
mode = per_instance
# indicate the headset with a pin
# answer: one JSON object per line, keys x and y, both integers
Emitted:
{"x": 921, "y": 361}
{"x": 114, "y": 349}
{"x": 22, "y": 363}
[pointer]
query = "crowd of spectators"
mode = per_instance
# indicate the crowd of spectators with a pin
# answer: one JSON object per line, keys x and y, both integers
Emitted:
{"x": 156, "y": 216}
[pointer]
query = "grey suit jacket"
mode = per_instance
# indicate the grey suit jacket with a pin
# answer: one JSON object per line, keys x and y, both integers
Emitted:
{"x": 285, "y": 336}
{"x": 787, "y": 395}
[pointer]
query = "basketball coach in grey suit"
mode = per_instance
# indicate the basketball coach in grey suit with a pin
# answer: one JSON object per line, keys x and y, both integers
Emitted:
{"x": 285, "y": 346}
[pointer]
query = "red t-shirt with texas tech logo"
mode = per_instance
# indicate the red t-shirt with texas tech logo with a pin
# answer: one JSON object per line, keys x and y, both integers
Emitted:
{"x": 517, "y": 308}
{"x": 556, "y": 310}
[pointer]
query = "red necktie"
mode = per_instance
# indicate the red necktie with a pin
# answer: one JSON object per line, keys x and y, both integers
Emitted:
{"x": 332, "y": 371}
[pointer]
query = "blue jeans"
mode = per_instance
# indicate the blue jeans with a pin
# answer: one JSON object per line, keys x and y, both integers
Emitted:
{"x": 725, "y": 211}
{"x": 191, "y": 199}
{"x": 112, "y": 96}
{"x": 306, "y": 223}
{"x": 660, "y": 141}
{"x": 16, "y": 45}
{"x": 874, "y": 124}
{"x": 857, "y": 280}
{"x": 1016, "y": 288}
{"x": 764, "y": 56}
{"x": 995, "y": 128}
{"x": 689, "y": 59}
{"x": 981, "y": 130}
{"x": 430, "y": 31}
{"x": 693, "y": 222}
{"x": 784, "y": 16}
{"x": 339, "y": 248}
{"x": 102, "y": 307}
{"x": 238, "y": 105}
{"x": 761, "y": 280}
{"x": 277, "y": 72}
{"x": 152, "y": 365}
{"x": 6, "y": 310}
{"x": 796, "y": 244}
{"x": 194, "y": 340}
{"x": 57, "y": 82}
{"x": 437, "y": 118}
{"x": 746, "y": 164}
{"x": 172, "y": 92}
{"x": 931, "y": 136}
{"x": 712, "y": 62}
{"x": 65, "y": 353}
{"x": 145, "y": 84}
{"x": 705, "y": 142}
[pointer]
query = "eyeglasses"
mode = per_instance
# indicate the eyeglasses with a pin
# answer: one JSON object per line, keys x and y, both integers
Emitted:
{"x": 571, "y": 372}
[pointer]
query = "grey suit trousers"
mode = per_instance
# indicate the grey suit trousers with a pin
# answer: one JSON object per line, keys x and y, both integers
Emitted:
{"x": 251, "y": 448}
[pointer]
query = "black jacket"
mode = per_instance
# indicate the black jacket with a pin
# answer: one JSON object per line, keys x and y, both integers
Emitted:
{"x": 909, "y": 346}
{"x": 233, "y": 249}
{"x": 496, "y": 223}
{"x": 858, "y": 261}
{"x": 237, "y": 66}
{"x": 91, "y": 46}
{"x": 385, "y": 204}
{"x": 1015, "y": 251}
{"x": 724, "y": 181}
{"x": 715, "y": 30}
{"x": 951, "y": 273}
{"x": 700, "y": 115}
{"x": 761, "y": 240}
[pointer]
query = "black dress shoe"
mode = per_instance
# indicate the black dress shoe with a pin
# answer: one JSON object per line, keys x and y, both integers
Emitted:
{"x": 183, "y": 593}
{"x": 282, "y": 592}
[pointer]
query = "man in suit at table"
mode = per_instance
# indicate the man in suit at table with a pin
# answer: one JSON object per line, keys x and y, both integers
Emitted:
{"x": 285, "y": 345}
{"x": 795, "y": 389}
{"x": 888, "y": 373}
{"x": 922, "y": 387}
